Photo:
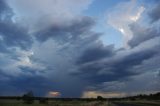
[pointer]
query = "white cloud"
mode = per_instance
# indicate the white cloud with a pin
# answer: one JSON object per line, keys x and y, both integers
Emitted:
{"x": 94, "y": 94}
{"x": 25, "y": 58}
{"x": 122, "y": 16}
{"x": 138, "y": 14}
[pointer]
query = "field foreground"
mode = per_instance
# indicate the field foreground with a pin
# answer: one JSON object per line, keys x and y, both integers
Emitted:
{"x": 136, "y": 103}
{"x": 79, "y": 103}
{"x": 53, "y": 103}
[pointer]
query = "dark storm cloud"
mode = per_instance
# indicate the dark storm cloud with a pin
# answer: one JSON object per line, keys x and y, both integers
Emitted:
{"x": 3, "y": 7}
{"x": 74, "y": 29}
{"x": 28, "y": 81}
{"x": 12, "y": 34}
{"x": 79, "y": 38}
{"x": 155, "y": 13}
{"x": 38, "y": 84}
{"x": 4, "y": 76}
{"x": 95, "y": 53}
{"x": 142, "y": 34}
{"x": 118, "y": 69}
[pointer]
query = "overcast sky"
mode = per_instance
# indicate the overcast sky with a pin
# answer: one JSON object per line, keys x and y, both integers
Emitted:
{"x": 79, "y": 48}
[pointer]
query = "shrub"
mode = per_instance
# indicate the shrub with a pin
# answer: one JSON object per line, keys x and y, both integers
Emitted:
{"x": 28, "y": 98}
{"x": 100, "y": 98}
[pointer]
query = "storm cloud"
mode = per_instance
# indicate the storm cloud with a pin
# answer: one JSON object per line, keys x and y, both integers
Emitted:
{"x": 12, "y": 34}
{"x": 154, "y": 13}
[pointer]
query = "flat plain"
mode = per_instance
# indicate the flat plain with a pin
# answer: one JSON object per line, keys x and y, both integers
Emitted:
{"x": 53, "y": 103}
{"x": 80, "y": 103}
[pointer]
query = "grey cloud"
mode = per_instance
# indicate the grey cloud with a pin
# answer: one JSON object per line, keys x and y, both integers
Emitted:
{"x": 76, "y": 28}
{"x": 95, "y": 53}
{"x": 19, "y": 85}
{"x": 58, "y": 49}
{"x": 12, "y": 34}
{"x": 2, "y": 5}
{"x": 116, "y": 68}
{"x": 155, "y": 13}
{"x": 31, "y": 71}
{"x": 39, "y": 14}
{"x": 4, "y": 9}
{"x": 142, "y": 34}
{"x": 145, "y": 83}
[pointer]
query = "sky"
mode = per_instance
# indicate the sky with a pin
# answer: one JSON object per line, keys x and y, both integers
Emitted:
{"x": 79, "y": 48}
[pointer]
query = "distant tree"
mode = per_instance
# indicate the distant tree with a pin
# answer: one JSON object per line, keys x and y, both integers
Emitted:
{"x": 28, "y": 98}
{"x": 133, "y": 99}
{"x": 18, "y": 98}
{"x": 100, "y": 98}
{"x": 156, "y": 96}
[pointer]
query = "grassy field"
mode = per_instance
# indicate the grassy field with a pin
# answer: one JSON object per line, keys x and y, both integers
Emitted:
{"x": 80, "y": 103}
{"x": 137, "y": 103}
{"x": 53, "y": 103}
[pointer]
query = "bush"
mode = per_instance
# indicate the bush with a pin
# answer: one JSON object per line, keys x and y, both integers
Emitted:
{"x": 28, "y": 98}
{"x": 100, "y": 98}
